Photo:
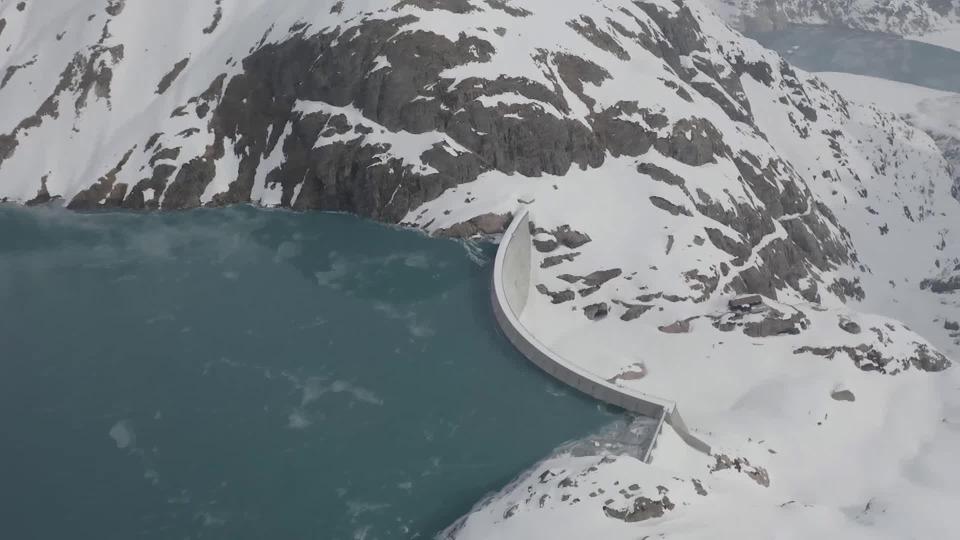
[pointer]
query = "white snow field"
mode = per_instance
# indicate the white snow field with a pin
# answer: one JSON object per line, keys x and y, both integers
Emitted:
{"x": 668, "y": 165}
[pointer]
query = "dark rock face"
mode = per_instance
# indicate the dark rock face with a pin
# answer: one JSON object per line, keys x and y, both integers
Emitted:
{"x": 941, "y": 285}
{"x": 741, "y": 465}
{"x": 634, "y": 311}
{"x": 643, "y": 509}
{"x": 775, "y": 327}
{"x": 693, "y": 142}
{"x": 168, "y": 79}
{"x": 760, "y": 320}
{"x": 562, "y": 236}
{"x": 679, "y": 327}
{"x": 660, "y": 174}
{"x": 843, "y": 395}
{"x": 555, "y": 260}
{"x": 545, "y": 246}
{"x": 668, "y": 206}
{"x": 601, "y": 276}
{"x": 745, "y": 302}
{"x": 106, "y": 189}
{"x": 570, "y": 238}
{"x": 849, "y": 326}
{"x": 43, "y": 195}
{"x": 347, "y": 176}
{"x": 484, "y": 225}
{"x": 593, "y": 281}
{"x": 557, "y": 297}
{"x": 596, "y": 312}
{"x": 868, "y": 358}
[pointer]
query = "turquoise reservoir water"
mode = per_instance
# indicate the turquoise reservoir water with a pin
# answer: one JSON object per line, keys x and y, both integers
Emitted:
{"x": 824, "y": 48}
{"x": 253, "y": 374}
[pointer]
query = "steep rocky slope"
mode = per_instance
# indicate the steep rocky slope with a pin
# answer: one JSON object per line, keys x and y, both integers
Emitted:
{"x": 668, "y": 164}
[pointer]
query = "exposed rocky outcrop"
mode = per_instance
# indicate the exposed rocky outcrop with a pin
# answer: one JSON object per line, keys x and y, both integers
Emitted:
{"x": 557, "y": 297}
{"x": 868, "y": 358}
{"x": 593, "y": 281}
{"x": 485, "y": 225}
{"x": 561, "y": 236}
{"x": 596, "y": 312}
{"x": 843, "y": 395}
{"x": 554, "y": 260}
{"x": 941, "y": 285}
{"x": 761, "y": 320}
{"x": 849, "y": 326}
{"x": 642, "y": 510}
{"x": 634, "y": 311}
{"x": 678, "y": 327}
{"x": 741, "y": 465}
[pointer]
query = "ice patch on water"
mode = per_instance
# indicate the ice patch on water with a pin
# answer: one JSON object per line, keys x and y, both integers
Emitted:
{"x": 475, "y": 252}
{"x": 231, "y": 275}
{"x": 209, "y": 519}
{"x": 298, "y": 420}
{"x": 315, "y": 387}
{"x": 181, "y": 498}
{"x": 152, "y": 476}
{"x": 338, "y": 270}
{"x": 318, "y": 386}
{"x": 421, "y": 330}
{"x": 287, "y": 250}
{"x": 315, "y": 323}
{"x": 358, "y": 393}
{"x": 312, "y": 391}
{"x": 123, "y": 434}
{"x": 389, "y": 310}
{"x": 554, "y": 391}
{"x": 433, "y": 468}
{"x": 417, "y": 260}
{"x": 357, "y": 508}
{"x": 160, "y": 318}
{"x": 416, "y": 327}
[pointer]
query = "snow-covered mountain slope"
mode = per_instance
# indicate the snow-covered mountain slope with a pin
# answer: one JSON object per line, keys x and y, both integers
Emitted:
{"x": 668, "y": 164}
{"x": 903, "y": 17}
{"x": 935, "y": 112}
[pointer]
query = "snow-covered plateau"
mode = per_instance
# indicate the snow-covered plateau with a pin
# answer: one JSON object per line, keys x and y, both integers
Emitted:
{"x": 668, "y": 165}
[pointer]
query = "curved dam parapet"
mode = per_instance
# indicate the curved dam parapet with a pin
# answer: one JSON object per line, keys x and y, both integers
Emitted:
{"x": 510, "y": 291}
